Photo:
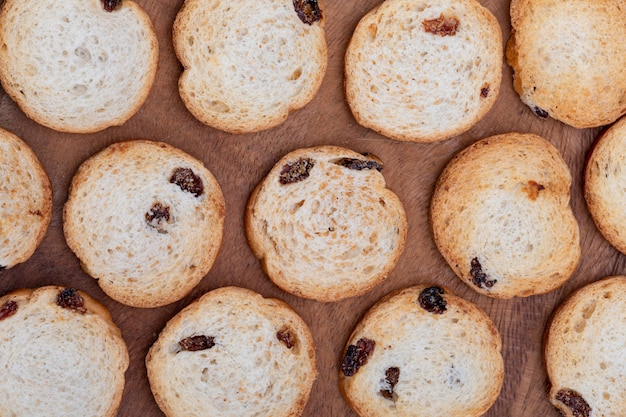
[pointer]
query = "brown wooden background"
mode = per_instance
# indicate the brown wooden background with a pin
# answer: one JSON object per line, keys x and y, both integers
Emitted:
{"x": 240, "y": 162}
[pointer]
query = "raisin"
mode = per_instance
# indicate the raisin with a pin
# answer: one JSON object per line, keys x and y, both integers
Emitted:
{"x": 357, "y": 356}
{"x": 391, "y": 379}
{"x": 110, "y": 5}
{"x": 8, "y": 309}
{"x": 188, "y": 181}
{"x": 308, "y": 11}
{"x": 296, "y": 171}
{"x": 360, "y": 164}
{"x": 532, "y": 189}
{"x": 442, "y": 26}
{"x": 479, "y": 278}
{"x": 195, "y": 343}
{"x": 575, "y": 402}
{"x": 430, "y": 299}
{"x": 286, "y": 337}
{"x": 72, "y": 300}
{"x": 484, "y": 91}
{"x": 158, "y": 215}
{"x": 539, "y": 112}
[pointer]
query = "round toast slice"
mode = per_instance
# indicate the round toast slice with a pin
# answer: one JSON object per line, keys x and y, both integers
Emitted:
{"x": 424, "y": 71}
{"x": 77, "y": 65}
{"x": 25, "y": 201}
{"x": 233, "y": 353}
{"x": 325, "y": 225}
{"x": 248, "y": 64}
{"x": 584, "y": 351}
{"x": 60, "y": 354}
{"x": 422, "y": 352}
{"x": 146, "y": 220}
{"x": 501, "y": 216}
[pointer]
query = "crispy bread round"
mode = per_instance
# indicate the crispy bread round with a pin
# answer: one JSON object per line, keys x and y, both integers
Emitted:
{"x": 146, "y": 220}
{"x": 249, "y": 63}
{"x": 424, "y": 71}
{"x": 584, "y": 351}
{"x": 324, "y": 224}
{"x": 605, "y": 182}
{"x": 25, "y": 201}
{"x": 233, "y": 353}
{"x": 73, "y": 66}
{"x": 501, "y": 216}
{"x": 569, "y": 59}
{"x": 60, "y": 354}
{"x": 423, "y": 352}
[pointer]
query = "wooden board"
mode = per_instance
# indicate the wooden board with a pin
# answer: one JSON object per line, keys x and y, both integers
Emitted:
{"x": 240, "y": 162}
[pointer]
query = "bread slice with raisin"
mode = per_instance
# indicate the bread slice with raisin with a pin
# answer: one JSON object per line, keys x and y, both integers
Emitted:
{"x": 501, "y": 216}
{"x": 424, "y": 71}
{"x": 146, "y": 220}
{"x": 26, "y": 201}
{"x": 61, "y": 354}
{"x": 233, "y": 353}
{"x": 77, "y": 65}
{"x": 248, "y": 64}
{"x": 569, "y": 59}
{"x": 422, "y": 352}
{"x": 325, "y": 225}
{"x": 584, "y": 351}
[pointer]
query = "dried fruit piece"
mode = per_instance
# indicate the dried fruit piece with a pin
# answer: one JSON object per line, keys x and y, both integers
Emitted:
{"x": 110, "y": 5}
{"x": 71, "y": 299}
{"x": 195, "y": 343}
{"x": 296, "y": 171}
{"x": 532, "y": 189}
{"x": 357, "y": 356}
{"x": 430, "y": 299}
{"x": 308, "y": 11}
{"x": 575, "y": 402}
{"x": 484, "y": 91}
{"x": 158, "y": 215}
{"x": 8, "y": 309}
{"x": 360, "y": 164}
{"x": 286, "y": 337}
{"x": 479, "y": 278}
{"x": 539, "y": 112}
{"x": 442, "y": 26}
{"x": 392, "y": 375}
{"x": 188, "y": 181}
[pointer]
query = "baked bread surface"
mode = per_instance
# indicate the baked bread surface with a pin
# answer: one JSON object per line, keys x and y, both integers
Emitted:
{"x": 261, "y": 359}
{"x": 25, "y": 201}
{"x": 59, "y": 360}
{"x": 424, "y": 71}
{"x": 141, "y": 229}
{"x": 74, "y": 67}
{"x": 501, "y": 216}
{"x": 324, "y": 224}
{"x": 247, "y": 64}
{"x": 423, "y": 352}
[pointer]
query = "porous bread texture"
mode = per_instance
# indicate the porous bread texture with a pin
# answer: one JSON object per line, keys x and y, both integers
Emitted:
{"x": 335, "y": 234}
{"x": 584, "y": 348}
{"x": 56, "y": 362}
{"x": 137, "y": 261}
{"x": 247, "y": 64}
{"x": 501, "y": 218}
{"x": 411, "y": 84}
{"x": 569, "y": 59}
{"x": 605, "y": 184}
{"x": 25, "y": 200}
{"x": 450, "y": 364}
{"x": 248, "y": 372}
{"x": 74, "y": 67}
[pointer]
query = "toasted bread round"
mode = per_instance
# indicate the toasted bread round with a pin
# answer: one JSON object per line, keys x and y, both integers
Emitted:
{"x": 146, "y": 220}
{"x": 584, "y": 351}
{"x": 424, "y": 71}
{"x": 72, "y": 65}
{"x": 501, "y": 218}
{"x": 324, "y": 224}
{"x": 569, "y": 59}
{"x": 233, "y": 353}
{"x": 61, "y": 354}
{"x": 605, "y": 182}
{"x": 249, "y": 63}
{"x": 422, "y": 352}
{"x": 25, "y": 201}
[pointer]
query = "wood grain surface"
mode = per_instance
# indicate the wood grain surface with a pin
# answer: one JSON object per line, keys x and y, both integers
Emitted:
{"x": 239, "y": 162}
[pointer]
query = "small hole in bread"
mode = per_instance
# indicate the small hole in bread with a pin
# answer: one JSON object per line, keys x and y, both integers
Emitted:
{"x": 296, "y": 74}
